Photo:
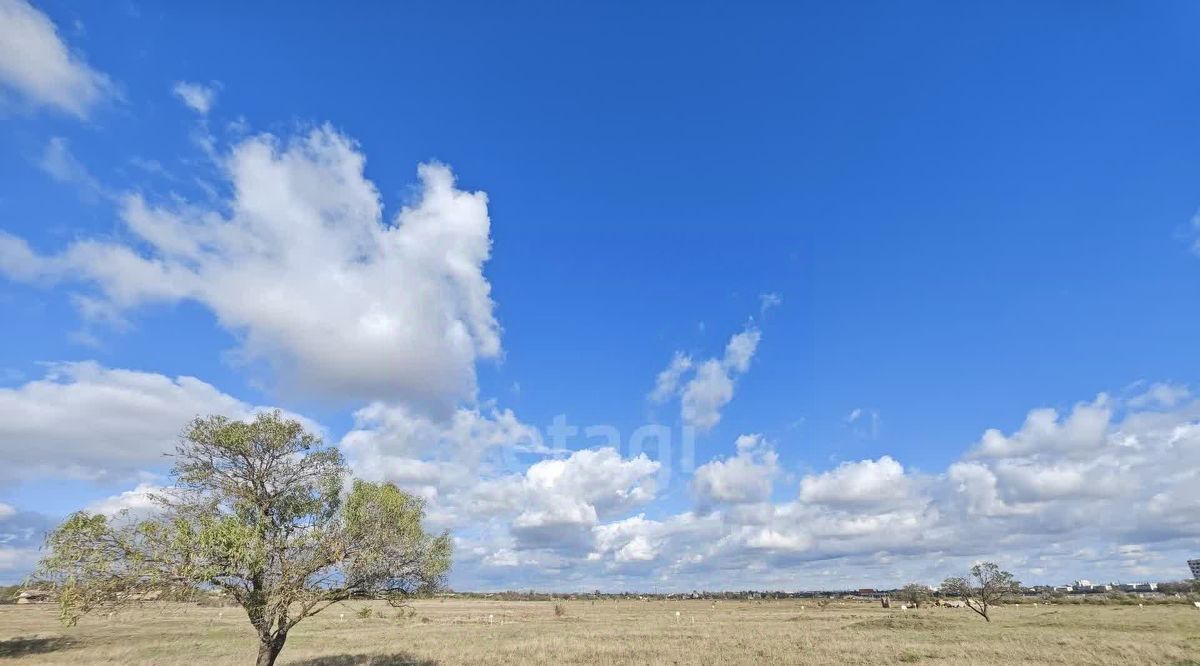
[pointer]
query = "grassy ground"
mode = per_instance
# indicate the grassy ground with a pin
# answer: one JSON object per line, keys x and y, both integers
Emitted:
{"x": 624, "y": 632}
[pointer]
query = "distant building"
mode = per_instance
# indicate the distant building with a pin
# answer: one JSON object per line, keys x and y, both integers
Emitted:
{"x": 35, "y": 597}
{"x": 1194, "y": 565}
{"x": 1138, "y": 587}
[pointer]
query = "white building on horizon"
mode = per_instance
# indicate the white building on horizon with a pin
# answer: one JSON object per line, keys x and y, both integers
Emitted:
{"x": 1194, "y": 565}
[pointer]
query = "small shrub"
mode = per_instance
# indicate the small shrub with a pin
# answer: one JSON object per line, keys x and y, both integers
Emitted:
{"x": 363, "y": 613}
{"x": 559, "y": 610}
{"x": 425, "y": 620}
{"x": 8, "y": 593}
{"x": 406, "y": 613}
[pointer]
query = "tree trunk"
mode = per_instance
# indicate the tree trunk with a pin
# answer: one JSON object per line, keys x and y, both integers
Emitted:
{"x": 269, "y": 649}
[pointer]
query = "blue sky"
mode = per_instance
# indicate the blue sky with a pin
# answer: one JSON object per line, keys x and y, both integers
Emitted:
{"x": 867, "y": 234}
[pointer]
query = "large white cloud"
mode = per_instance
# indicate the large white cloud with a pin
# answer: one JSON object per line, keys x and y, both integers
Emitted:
{"x": 1056, "y": 473}
{"x": 474, "y": 469}
{"x": 634, "y": 539}
{"x": 565, "y": 520}
{"x": 300, "y": 264}
{"x": 743, "y": 478}
{"x": 556, "y": 503}
{"x": 568, "y": 516}
{"x": 86, "y": 421}
{"x": 1127, "y": 509}
{"x": 137, "y": 501}
{"x": 591, "y": 484}
{"x": 1105, "y": 474}
{"x": 435, "y": 457}
{"x": 1081, "y": 434}
{"x": 40, "y": 67}
{"x": 864, "y": 482}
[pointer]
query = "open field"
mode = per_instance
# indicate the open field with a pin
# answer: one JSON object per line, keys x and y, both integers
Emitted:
{"x": 619, "y": 632}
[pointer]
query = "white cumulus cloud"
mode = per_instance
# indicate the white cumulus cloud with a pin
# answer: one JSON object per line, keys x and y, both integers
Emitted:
{"x": 438, "y": 458}
{"x": 39, "y": 66}
{"x": 743, "y": 478}
{"x": 136, "y": 501}
{"x": 866, "y": 481}
{"x": 301, "y": 266}
{"x": 86, "y": 421}
{"x": 1081, "y": 433}
{"x": 559, "y": 501}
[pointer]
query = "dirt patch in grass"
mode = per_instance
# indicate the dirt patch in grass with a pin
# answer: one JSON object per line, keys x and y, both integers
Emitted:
{"x": 914, "y": 657}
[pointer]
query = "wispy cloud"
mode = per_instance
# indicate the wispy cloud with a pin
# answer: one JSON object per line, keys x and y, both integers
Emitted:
{"x": 705, "y": 387}
{"x": 768, "y": 301}
{"x": 61, "y": 164}
{"x": 864, "y": 422}
{"x": 198, "y": 97}
{"x": 38, "y": 66}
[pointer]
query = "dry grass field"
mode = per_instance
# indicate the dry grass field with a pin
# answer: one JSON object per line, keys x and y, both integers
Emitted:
{"x": 618, "y": 632}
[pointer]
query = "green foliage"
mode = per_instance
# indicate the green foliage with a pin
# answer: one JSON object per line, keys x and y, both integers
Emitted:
{"x": 913, "y": 594}
{"x": 8, "y": 593}
{"x": 1180, "y": 587}
{"x": 256, "y": 512}
{"x": 363, "y": 613}
{"x": 395, "y": 558}
{"x": 406, "y": 613}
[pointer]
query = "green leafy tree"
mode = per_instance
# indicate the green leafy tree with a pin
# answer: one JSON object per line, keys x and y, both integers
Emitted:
{"x": 8, "y": 593}
{"x": 256, "y": 511}
{"x": 913, "y": 595}
{"x": 987, "y": 586}
{"x": 1180, "y": 587}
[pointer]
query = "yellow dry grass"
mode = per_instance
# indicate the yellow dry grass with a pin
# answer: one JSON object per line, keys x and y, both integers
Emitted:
{"x": 619, "y": 632}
